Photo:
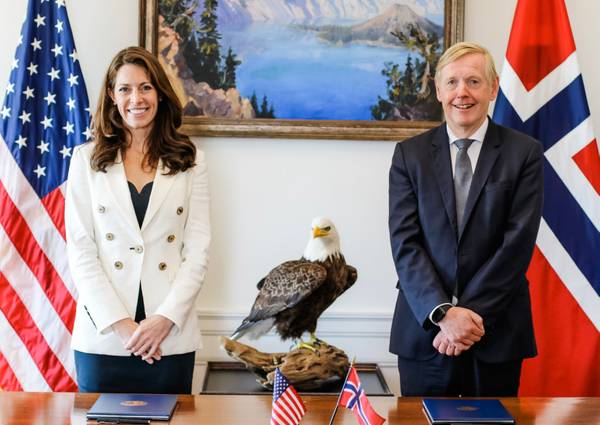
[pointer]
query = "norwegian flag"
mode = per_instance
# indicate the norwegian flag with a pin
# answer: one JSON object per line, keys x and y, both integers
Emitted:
{"x": 354, "y": 398}
{"x": 45, "y": 114}
{"x": 542, "y": 94}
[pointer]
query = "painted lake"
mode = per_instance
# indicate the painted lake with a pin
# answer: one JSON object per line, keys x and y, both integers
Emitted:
{"x": 305, "y": 77}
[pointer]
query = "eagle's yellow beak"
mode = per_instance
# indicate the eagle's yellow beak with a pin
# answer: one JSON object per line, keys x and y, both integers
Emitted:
{"x": 318, "y": 232}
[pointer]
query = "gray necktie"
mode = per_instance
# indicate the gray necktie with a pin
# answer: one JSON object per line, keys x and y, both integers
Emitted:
{"x": 463, "y": 174}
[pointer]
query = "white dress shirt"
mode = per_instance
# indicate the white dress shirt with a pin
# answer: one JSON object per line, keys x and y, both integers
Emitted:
{"x": 473, "y": 153}
{"x": 475, "y": 147}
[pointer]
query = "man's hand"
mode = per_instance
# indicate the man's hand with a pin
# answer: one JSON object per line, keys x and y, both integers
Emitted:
{"x": 125, "y": 328}
{"x": 462, "y": 326}
{"x": 444, "y": 346}
{"x": 147, "y": 338}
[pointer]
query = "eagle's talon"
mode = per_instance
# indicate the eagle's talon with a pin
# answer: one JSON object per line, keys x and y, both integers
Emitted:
{"x": 307, "y": 345}
{"x": 312, "y": 343}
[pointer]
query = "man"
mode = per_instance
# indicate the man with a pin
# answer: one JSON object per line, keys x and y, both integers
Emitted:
{"x": 465, "y": 202}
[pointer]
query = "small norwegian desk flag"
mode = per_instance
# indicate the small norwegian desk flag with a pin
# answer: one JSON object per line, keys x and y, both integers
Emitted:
{"x": 354, "y": 398}
{"x": 288, "y": 408}
{"x": 44, "y": 115}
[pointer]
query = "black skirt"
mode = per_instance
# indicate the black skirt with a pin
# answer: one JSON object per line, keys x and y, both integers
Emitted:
{"x": 99, "y": 373}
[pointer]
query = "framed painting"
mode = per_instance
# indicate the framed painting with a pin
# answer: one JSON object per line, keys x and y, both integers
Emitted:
{"x": 312, "y": 69}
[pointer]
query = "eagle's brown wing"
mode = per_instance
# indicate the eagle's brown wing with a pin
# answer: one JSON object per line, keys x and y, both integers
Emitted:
{"x": 285, "y": 286}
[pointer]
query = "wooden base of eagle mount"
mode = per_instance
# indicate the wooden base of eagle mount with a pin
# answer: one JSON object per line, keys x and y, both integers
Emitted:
{"x": 305, "y": 369}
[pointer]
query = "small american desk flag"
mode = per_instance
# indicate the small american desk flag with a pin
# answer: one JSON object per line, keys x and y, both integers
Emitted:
{"x": 44, "y": 115}
{"x": 354, "y": 398}
{"x": 288, "y": 408}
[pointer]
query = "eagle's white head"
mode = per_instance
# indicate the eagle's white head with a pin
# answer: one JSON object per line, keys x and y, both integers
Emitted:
{"x": 324, "y": 240}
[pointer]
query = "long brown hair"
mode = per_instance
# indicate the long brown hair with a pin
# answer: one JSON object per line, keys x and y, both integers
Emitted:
{"x": 176, "y": 150}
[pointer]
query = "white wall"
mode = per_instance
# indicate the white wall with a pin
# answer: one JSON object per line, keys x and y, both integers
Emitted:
{"x": 265, "y": 192}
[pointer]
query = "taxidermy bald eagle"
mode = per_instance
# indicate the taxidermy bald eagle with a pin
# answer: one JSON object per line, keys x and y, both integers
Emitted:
{"x": 294, "y": 294}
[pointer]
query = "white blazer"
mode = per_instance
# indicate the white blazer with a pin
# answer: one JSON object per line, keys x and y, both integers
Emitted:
{"x": 109, "y": 255}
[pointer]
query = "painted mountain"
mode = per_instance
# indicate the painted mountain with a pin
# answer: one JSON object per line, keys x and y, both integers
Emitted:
{"x": 378, "y": 30}
{"x": 238, "y": 13}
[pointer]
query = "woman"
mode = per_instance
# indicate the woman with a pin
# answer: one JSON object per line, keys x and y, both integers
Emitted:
{"x": 137, "y": 220}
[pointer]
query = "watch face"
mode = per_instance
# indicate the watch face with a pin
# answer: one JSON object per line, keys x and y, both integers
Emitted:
{"x": 440, "y": 313}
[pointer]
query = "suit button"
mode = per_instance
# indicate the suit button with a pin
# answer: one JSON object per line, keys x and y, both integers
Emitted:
{"x": 170, "y": 238}
{"x": 162, "y": 266}
{"x": 101, "y": 209}
{"x": 118, "y": 265}
{"x": 179, "y": 210}
{"x": 110, "y": 236}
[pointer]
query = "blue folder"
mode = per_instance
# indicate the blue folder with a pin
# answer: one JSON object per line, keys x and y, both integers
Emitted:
{"x": 466, "y": 411}
{"x": 141, "y": 407}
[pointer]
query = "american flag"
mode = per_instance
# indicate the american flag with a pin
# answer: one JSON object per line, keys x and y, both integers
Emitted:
{"x": 45, "y": 114}
{"x": 288, "y": 408}
{"x": 542, "y": 94}
{"x": 354, "y": 398}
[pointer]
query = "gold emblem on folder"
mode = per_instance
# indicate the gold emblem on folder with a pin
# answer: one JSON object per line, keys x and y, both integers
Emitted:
{"x": 467, "y": 408}
{"x": 133, "y": 403}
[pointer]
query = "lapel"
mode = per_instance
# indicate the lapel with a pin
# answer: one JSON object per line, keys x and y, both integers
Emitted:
{"x": 442, "y": 166}
{"x": 160, "y": 189}
{"x": 487, "y": 158}
{"x": 117, "y": 186}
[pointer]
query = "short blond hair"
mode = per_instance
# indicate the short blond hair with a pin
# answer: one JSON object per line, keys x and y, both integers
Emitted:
{"x": 458, "y": 50}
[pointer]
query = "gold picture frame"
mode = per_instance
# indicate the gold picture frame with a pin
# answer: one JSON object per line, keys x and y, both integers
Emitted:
{"x": 299, "y": 128}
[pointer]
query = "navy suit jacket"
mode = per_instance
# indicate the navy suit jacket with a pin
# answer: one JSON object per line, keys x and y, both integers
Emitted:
{"x": 487, "y": 257}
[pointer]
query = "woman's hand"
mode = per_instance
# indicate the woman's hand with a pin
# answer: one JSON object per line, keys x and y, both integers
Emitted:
{"x": 125, "y": 329}
{"x": 148, "y": 336}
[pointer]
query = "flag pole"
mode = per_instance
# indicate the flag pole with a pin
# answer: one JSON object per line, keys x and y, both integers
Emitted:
{"x": 337, "y": 403}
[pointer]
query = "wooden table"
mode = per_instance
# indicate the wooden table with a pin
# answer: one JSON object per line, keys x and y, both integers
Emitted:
{"x": 70, "y": 408}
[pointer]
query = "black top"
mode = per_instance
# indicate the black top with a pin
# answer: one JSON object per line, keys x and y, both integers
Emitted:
{"x": 140, "y": 205}
{"x": 140, "y": 200}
